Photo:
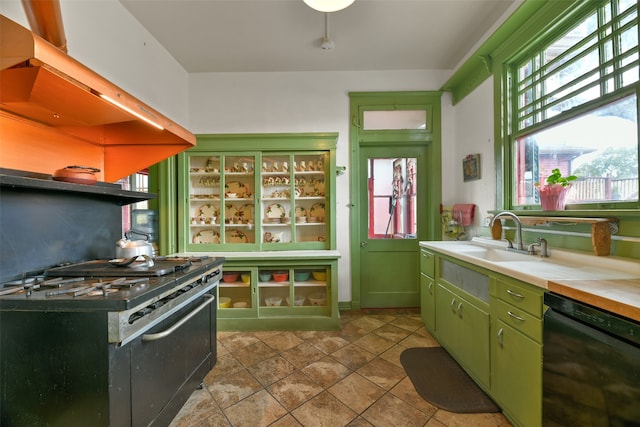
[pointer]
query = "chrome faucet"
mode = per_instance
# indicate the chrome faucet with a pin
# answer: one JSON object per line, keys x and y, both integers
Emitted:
{"x": 543, "y": 247}
{"x": 519, "y": 244}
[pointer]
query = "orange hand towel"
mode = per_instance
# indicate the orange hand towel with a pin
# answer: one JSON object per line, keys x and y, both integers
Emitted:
{"x": 463, "y": 213}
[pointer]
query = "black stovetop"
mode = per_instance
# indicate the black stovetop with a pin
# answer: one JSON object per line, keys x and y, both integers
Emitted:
{"x": 141, "y": 284}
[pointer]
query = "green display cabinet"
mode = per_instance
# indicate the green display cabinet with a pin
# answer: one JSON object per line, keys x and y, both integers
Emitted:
{"x": 279, "y": 291}
{"x": 262, "y": 192}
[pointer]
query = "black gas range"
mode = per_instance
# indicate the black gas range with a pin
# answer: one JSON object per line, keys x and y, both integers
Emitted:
{"x": 94, "y": 343}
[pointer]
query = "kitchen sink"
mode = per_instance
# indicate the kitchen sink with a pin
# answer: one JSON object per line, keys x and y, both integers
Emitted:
{"x": 498, "y": 255}
{"x": 534, "y": 269}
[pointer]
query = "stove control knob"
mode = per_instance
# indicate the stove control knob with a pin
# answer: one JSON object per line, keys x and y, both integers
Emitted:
{"x": 204, "y": 279}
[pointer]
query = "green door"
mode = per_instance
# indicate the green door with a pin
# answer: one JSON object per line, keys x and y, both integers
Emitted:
{"x": 391, "y": 193}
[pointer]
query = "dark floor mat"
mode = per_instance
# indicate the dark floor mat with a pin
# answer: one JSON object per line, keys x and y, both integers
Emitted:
{"x": 440, "y": 381}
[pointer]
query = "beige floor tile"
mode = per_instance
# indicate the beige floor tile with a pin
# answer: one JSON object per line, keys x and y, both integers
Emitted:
{"x": 367, "y": 323}
{"x": 233, "y": 388}
{"x": 360, "y": 422}
{"x": 235, "y": 341}
{"x": 254, "y": 353}
{"x": 324, "y": 410}
{"x": 283, "y": 341}
{"x": 224, "y": 366}
{"x": 418, "y": 340}
{"x": 294, "y": 390}
{"x": 329, "y": 344}
{"x": 392, "y": 333}
{"x": 326, "y": 371}
{"x": 393, "y": 355}
{"x": 258, "y": 410}
{"x": 197, "y": 409}
{"x": 356, "y": 392}
{"x": 391, "y": 411}
{"x": 375, "y": 343}
{"x": 271, "y": 370}
{"x": 303, "y": 355}
{"x": 286, "y": 421}
{"x": 408, "y": 323}
{"x": 352, "y": 356}
{"x": 383, "y": 373}
{"x": 352, "y": 332}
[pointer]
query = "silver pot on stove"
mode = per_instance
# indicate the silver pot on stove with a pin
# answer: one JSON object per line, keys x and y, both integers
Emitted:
{"x": 130, "y": 249}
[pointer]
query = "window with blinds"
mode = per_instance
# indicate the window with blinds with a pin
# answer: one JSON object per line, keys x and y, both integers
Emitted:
{"x": 574, "y": 107}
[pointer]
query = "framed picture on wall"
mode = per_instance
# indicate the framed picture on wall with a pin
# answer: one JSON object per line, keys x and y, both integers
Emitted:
{"x": 471, "y": 167}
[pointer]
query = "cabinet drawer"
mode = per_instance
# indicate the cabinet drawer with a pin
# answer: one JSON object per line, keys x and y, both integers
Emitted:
{"x": 520, "y": 320}
{"x": 427, "y": 263}
{"x": 529, "y": 300}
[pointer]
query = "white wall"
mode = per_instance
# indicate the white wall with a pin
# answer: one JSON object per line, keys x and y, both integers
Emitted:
{"x": 472, "y": 130}
{"x": 302, "y": 102}
{"x": 102, "y": 35}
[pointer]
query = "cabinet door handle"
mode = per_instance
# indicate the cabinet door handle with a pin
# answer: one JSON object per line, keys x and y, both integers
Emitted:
{"x": 501, "y": 337}
{"x": 460, "y": 310}
{"x": 515, "y": 294}
{"x": 453, "y": 305}
{"x": 515, "y": 316}
{"x": 430, "y": 288}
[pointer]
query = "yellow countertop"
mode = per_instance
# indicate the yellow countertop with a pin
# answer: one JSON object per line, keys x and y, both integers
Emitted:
{"x": 620, "y": 296}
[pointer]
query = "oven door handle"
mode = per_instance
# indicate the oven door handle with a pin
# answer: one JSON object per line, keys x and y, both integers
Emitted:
{"x": 153, "y": 337}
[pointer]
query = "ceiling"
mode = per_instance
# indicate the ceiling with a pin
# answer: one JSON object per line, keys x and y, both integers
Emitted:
{"x": 286, "y": 35}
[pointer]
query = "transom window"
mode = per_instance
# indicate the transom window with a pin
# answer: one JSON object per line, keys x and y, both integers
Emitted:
{"x": 574, "y": 106}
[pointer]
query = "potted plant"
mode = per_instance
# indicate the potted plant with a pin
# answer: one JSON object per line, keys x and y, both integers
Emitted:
{"x": 554, "y": 192}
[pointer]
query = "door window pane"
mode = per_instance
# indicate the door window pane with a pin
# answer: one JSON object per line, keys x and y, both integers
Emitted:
{"x": 395, "y": 120}
{"x": 392, "y": 193}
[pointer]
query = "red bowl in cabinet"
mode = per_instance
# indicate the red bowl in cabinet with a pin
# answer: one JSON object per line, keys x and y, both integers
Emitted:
{"x": 280, "y": 276}
{"x": 230, "y": 277}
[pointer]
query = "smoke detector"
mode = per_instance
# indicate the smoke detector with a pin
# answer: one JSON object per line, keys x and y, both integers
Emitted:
{"x": 327, "y": 44}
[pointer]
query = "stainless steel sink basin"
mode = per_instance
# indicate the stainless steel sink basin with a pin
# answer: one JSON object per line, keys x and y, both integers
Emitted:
{"x": 498, "y": 255}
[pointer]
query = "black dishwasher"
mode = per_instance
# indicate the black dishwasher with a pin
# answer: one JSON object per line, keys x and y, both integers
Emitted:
{"x": 591, "y": 366}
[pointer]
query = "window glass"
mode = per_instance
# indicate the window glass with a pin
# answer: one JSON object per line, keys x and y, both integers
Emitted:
{"x": 600, "y": 147}
{"x": 392, "y": 198}
{"x": 395, "y": 120}
{"x": 591, "y": 69}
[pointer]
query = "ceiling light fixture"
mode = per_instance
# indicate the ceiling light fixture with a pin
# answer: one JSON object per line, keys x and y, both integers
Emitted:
{"x": 328, "y": 5}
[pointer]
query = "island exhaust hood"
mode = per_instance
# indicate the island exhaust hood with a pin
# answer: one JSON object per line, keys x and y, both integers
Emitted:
{"x": 54, "y": 112}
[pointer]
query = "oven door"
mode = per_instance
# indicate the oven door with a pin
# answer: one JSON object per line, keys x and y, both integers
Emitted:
{"x": 170, "y": 360}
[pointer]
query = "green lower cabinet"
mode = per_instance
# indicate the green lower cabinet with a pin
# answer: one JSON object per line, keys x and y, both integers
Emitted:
{"x": 492, "y": 325}
{"x": 463, "y": 330}
{"x": 278, "y": 295}
{"x": 428, "y": 302}
{"x": 516, "y": 366}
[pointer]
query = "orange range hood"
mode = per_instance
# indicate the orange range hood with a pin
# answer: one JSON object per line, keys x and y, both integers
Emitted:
{"x": 54, "y": 113}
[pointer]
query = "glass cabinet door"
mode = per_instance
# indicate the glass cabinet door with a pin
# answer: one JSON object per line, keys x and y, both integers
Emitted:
{"x": 238, "y": 197}
{"x": 309, "y": 191}
{"x": 310, "y": 287}
{"x": 273, "y": 287}
{"x": 204, "y": 200}
{"x": 234, "y": 290}
{"x": 276, "y": 199}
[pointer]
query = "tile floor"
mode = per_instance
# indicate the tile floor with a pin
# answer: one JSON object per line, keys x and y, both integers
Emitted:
{"x": 351, "y": 377}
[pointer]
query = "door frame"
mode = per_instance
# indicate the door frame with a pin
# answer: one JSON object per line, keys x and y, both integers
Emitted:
{"x": 359, "y": 102}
